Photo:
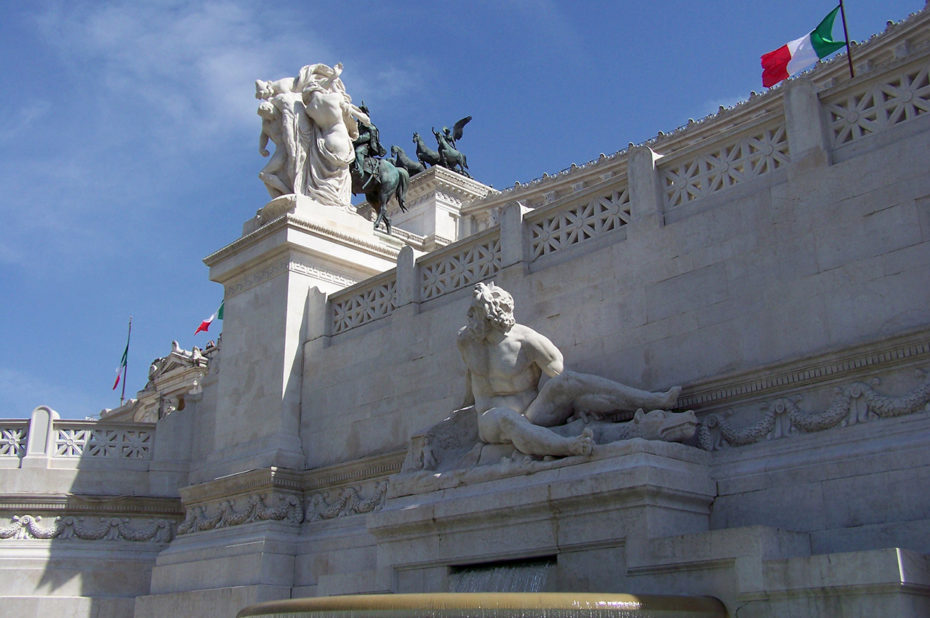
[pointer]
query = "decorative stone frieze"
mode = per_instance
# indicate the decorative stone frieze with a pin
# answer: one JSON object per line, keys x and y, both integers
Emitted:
{"x": 345, "y": 501}
{"x": 22, "y": 527}
{"x": 854, "y": 403}
{"x": 88, "y": 518}
{"x": 242, "y": 510}
{"x": 782, "y": 401}
{"x": 269, "y": 494}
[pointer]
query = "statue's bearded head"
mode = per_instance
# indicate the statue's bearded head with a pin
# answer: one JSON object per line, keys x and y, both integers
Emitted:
{"x": 491, "y": 307}
{"x": 263, "y": 89}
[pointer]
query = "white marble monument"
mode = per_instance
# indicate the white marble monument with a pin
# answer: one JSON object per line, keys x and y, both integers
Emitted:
{"x": 772, "y": 259}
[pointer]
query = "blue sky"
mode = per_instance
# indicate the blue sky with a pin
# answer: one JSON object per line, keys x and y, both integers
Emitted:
{"x": 129, "y": 139}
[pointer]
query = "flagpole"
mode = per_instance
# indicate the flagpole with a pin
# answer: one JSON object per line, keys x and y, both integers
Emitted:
{"x": 846, "y": 36}
{"x": 122, "y": 396}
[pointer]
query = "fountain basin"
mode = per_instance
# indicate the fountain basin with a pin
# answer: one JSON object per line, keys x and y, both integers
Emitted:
{"x": 492, "y": 605}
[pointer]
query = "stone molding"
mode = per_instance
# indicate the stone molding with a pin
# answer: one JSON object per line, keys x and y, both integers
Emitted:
{"x": 248, "y": 280}
{"x": 100, "y": 505}
{"x": 370, "y": 468}
{"x": 384, "y": 251}
{"x": 911, "y": 347}
{"x": 253, "y": 481}
{"x": 306, "y": 268}
{"x": 274, "y": 268}
{"x": 300, "y": 223}
{"x": 438, "y": 180}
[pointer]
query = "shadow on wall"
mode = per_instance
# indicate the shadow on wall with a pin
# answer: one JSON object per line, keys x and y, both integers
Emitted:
{"x": 85, "y": 507}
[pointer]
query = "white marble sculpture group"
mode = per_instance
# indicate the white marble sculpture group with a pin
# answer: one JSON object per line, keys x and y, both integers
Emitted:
{"x": 312, "y": 122}
{"x": 505, "y": 363}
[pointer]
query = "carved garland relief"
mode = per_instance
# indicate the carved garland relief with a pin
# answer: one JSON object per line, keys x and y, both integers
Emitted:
{"x": 854, "y": 403}
{"x": 88, "y": 529}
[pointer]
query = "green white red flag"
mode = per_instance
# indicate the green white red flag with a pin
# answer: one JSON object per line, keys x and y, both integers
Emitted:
{"x": 122, "y": 366}
{"x": 205, "y": 325}
{"x": 797, "y": 55}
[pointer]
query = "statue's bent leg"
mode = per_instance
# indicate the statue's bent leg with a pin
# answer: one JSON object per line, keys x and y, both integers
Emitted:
{"x": 554, "y": 404}
{"x": 502, "y": 425}
{"x": 597, "y": 394}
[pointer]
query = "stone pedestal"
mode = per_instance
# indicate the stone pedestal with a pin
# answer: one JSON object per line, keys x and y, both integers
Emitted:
{"x": 291, "y": 246}
{"x": 434, "y": 205}
{"x": 628, "y": 493}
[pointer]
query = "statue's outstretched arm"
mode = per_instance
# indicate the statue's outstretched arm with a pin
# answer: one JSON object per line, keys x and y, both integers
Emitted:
{"x": 359, "y": 114}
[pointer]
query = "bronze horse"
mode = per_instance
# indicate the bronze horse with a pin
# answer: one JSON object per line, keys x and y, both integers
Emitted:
{"x": 379, "y": 181}
{"x": 424, "y": 153}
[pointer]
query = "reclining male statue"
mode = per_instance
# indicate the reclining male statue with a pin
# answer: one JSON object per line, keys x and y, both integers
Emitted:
{"x": 505, "y": 362}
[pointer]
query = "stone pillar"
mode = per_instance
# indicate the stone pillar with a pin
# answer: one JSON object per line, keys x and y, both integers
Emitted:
{"x": 804, "y": 122}
{"x": 406, "y": 277}
{"x": 294, "y": 246}
{"x": 511, "y": 235}
{"x": 40, "y": 442}
{"x": 645, "y": 190}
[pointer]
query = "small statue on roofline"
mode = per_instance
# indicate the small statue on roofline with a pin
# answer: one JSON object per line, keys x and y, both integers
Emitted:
{"x": 446, "y": 155}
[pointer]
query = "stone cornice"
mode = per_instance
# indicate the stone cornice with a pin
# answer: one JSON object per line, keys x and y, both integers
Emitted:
{"x": 251, "y": 482}
{"x": 303, "y": 224}
{"x": 850, "y": 363}
{"x": 375, "y": 467}
{"x": 96, "y": 505}
{"x": 439, "y": 179}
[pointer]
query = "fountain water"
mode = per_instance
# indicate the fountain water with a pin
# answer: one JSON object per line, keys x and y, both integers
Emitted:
{"x": 510, "y": 576}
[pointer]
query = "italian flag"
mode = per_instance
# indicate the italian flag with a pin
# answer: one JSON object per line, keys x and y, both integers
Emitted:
{"x": 792, "y": 57}
{"x": 205, "y": 325}
{"x": 122, "y": 366}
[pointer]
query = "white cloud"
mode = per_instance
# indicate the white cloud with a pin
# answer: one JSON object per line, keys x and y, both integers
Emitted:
{"x": 190, "y": 64}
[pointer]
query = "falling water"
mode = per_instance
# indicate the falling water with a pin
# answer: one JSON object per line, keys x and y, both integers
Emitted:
{"x": 514, "y": 576}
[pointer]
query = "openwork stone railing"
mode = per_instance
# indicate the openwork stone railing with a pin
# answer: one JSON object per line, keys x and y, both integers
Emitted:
{"x": 89, "y": 439}
{"x": 13, "y": 436}
{"x": 553, "y": 229}
{"x": 368, "y": 301}
{"x": 460, "y": 265}
{"x": 654, "y": 182}
{"x": 757, "y": 152}
{"x": 865, "y": 109}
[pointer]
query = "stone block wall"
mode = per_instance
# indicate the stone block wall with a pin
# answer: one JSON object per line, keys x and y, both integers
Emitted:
{"x": 721, "y": 257}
